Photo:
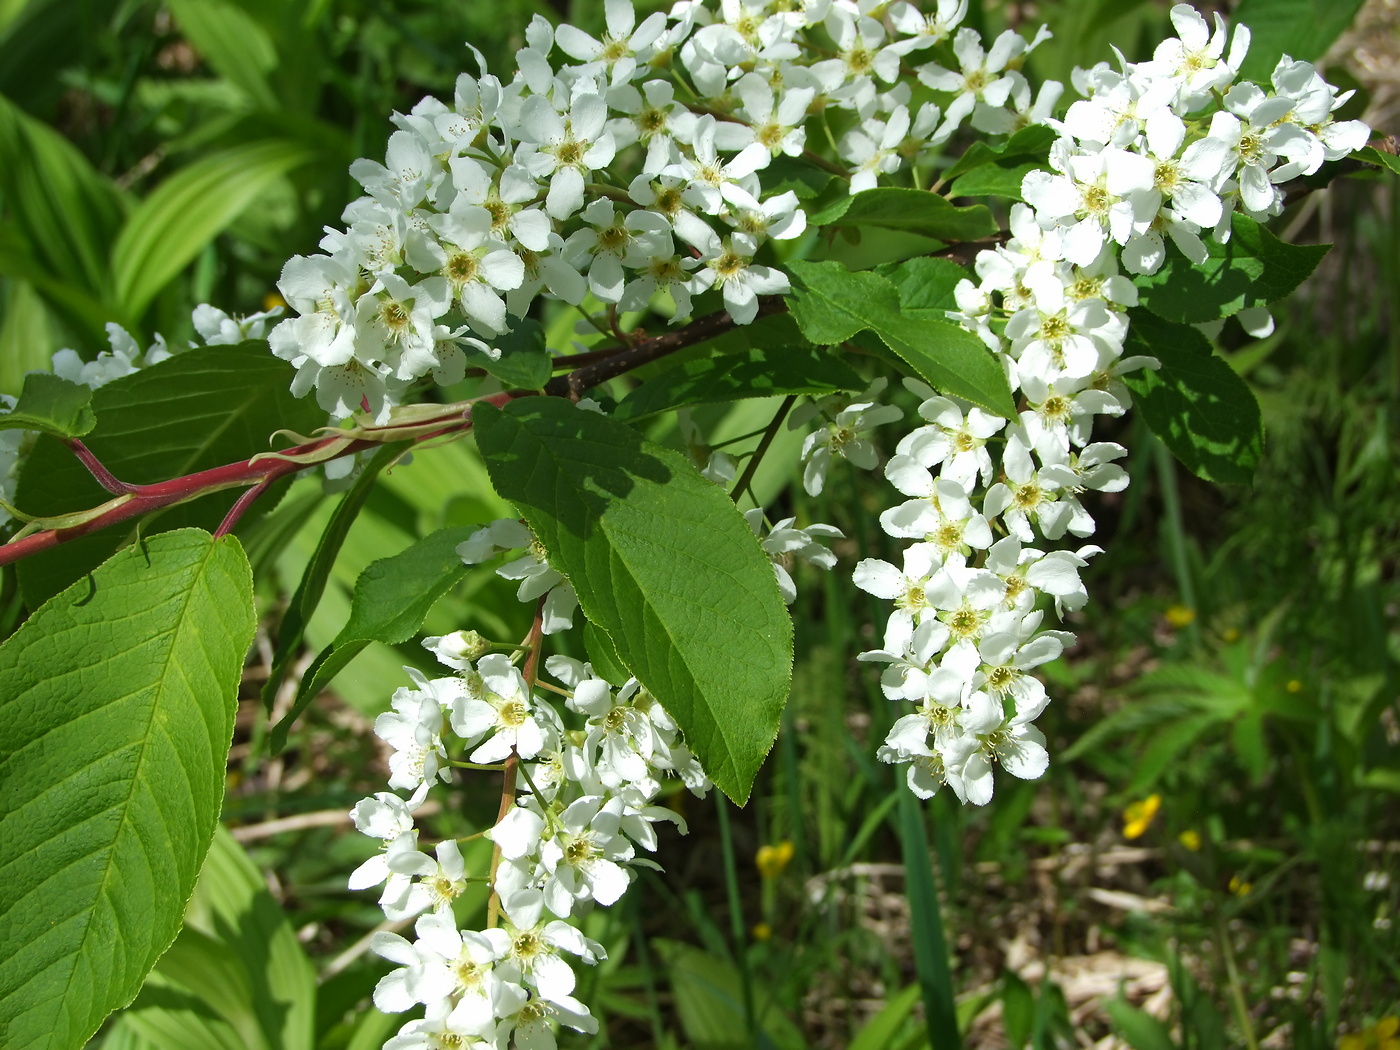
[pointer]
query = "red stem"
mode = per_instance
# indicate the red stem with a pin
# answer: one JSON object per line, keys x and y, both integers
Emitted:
{"x": 104, "y": 477}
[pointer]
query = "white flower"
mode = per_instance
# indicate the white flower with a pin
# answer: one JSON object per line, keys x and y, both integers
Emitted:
{"x": 583, "y": 857}
{"x": 728, "y": 265}
{"x": 502, "y": 709}
{"x": 618, "y": 50}
{"x": 564, "y": 146}
{"x": 844, "y": 435}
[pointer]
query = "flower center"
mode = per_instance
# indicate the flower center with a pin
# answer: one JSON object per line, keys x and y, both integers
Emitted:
{"x": 580, "y": 851}
{"x": 514, "y": 713}
{"x": 462, "y": 268}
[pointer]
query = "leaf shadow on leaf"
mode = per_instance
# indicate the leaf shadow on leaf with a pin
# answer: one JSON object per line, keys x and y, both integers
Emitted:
{"x": 612, "y": 475}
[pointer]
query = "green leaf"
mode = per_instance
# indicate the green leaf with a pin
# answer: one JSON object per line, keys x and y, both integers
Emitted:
{"x": 926, "y": 924}
{"x": 733, "y": 377}
{"x": 662, "y": 561}
{"x": 1371, "y": 155}
{"x": 188, "y": 210}
{"x": 292, "y": 631}
{"x": 51, "y": 405}
{"x": 235, "y": 45}
{"x": 1139, "y": 1030}
{"x": 525, "y": 362}
{"x": 925, "y": 283}
{"x": 238, "y": 959}
{"x": 879, "y": 1032}
{"x": 908, "y": 211}
{"x": 831, "y": 304}
{"x": 66, "y": 211}
{"x": 1196, "y": 403}
{"x": 797, "y": 175}
{"x": 392, "y": 598}
{"x": 1000, "y": 179}
{"x": 709, "y": 999}
{"x": 1253, "y": 268}
{"x": 117, "y": 701}
{"x": 200, "y": 409}
{"x": 1032, "y": 143}
{"x": 1303, "y": 29}
{"x": 602, "y": 654}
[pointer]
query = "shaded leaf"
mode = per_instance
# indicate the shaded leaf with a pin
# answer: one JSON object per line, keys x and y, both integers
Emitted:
{"x": 1196, "y": 403}
{"x": 662, "y": 561}
{"x": 392, "y": 598}
{"x": 1253, "y": 268}
{"x": 732, "y": 377}
{"x": 525, "y": 363}
{"x": 831, "y": 304}
{"x": 196, "y": 410}
{"x": 1302, "y": 29}
{"x": 908, "y": 211}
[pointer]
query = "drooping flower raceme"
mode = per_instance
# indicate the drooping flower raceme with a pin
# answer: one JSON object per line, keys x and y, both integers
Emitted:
{"x": 650, "y": 169}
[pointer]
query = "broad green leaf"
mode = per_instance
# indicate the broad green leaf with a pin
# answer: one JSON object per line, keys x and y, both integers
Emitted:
{"x": 925, "y": 283}
{"x": 602, "y": 654}
{"x": 78, "y": 306}
{"x": 879, "y": 1032}
{"x": 116, "y": 712}
{"x": 525, "y": 363}
{"x": 709, "y": 999}
{"x": 200, "y": 409}
{"x": 188, "y": 210}
{"x": 1301, "y": 29}
{"x": 1253, "y": 268}
{"x": 28, "y": 333}
{"x": 831, "y": 304}
{"x": 392, "y": 597}
{"x": 732, "y": 377}
{"x": 1032, "y": 143}
{"x": 51, "y": 405}
{"x": 238, "y": 958}
{"x": 662, "y": 561}
{"x": 999, "y": 179}
{"x": 1139, "y": 1030}
{"x": 292, "y": 630}
{"x": 1196, "y": 403}
{"x": 66, "y": 211}
{"x": 908, "y": 211}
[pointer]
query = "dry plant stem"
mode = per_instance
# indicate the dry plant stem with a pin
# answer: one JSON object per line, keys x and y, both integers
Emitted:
{"x": 512, "y": 765}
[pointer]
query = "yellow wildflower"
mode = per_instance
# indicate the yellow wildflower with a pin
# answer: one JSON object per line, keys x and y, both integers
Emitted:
{"x": 761, "y": 931}
{"x": 1383, "y": 1035}
{"x": 1138, "y": 816}
{"x": 1180, "y": 616}
{"x": 1239, "y": 887}
{"x": 1191, "y": 839}
{"x": 771, "y": 860}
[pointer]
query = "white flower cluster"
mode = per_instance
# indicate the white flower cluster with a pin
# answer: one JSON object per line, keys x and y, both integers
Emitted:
{"x": 966, "y": 633}
{"x": 623, "y": 168}
{"x": 588, "y": 780}
{"x": 212, "y": 325}
{"x": 1173, "y": 146}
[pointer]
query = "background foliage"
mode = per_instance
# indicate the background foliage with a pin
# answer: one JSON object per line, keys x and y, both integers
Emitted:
{"x": 1237, "y": 662}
